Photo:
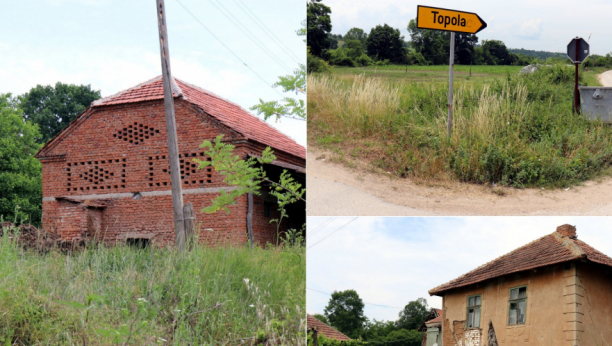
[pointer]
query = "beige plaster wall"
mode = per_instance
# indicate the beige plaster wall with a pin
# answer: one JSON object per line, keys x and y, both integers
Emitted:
{"x": 545, "y": 317}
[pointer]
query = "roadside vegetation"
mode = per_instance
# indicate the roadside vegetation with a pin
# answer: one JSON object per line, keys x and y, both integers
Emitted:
{"x": 128, "y": 296}
{"x": 509, "y": 130}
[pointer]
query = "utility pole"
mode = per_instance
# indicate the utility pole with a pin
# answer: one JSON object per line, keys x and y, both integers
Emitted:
{"x": 175, "y": 176}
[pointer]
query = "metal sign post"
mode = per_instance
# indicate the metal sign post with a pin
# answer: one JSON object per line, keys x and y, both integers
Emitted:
{"x": 451, "y": 64}
{"x": 434, "y": 18}
{"x": 577, "y": 52}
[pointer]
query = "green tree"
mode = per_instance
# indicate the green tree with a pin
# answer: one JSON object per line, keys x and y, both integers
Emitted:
{"x": 321, "y": 318}
{"x": 20, "y": 171}
{"x": 319, "y": 26}
{"x": 378, "y": 330}
{"x": 499, "y": 54}
{"x": 413, "y": 314}
{"x": 385, "y": 42}
{"x": 357, "y": 34}
{"x": 345, "y": 312}
{"x": 52, "y": 108}
{"x": 434, "y": 45}
{"x": 403, "y": 337}
{"x": 288, "y": 107}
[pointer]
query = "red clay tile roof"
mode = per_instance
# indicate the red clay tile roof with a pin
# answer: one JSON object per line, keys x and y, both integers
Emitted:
{"x": 324, "y": 329}
{"x": 228, "y": 113}
{"x": 551, "y": 249}
{"x": 436, "y": 319}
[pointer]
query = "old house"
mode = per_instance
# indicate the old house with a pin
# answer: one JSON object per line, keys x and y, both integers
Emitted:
{"x": 317, "y": 327}
{"x": 106, "y": 175}
{"x": 432, "y": 328}
{"x": 556, "y": 290}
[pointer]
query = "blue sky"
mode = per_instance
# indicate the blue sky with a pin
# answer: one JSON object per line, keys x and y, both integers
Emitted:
{"x": 113, "y": 45}
{"x": 393, "y": 260}
{"x": 531, "y": 24}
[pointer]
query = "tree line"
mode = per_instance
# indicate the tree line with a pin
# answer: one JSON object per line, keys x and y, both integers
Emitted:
{"x": 385, "y": 45}
{"x": 27, "y": 122}
{"x": 345, "y": 313}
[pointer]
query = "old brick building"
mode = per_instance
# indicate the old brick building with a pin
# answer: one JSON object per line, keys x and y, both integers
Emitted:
{"x": 106, "y": 175}
{"x": 556, "y": 290}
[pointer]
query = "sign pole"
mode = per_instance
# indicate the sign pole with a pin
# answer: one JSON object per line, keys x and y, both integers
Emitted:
{"x": 576, "y": 83}
{"x": 451, "y": 64}
{"x": 175, "y": 176}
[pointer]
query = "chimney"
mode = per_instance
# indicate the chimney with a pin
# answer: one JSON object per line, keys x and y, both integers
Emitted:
{"x": 568, "y": 231}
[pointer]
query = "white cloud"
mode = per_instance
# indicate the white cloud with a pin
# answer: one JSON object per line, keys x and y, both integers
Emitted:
{"x": 528, "y": 30}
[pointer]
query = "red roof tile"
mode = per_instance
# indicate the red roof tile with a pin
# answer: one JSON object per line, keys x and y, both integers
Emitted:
{"x": 324, "y": 329}
{"x": 228, "y": 113}
{"x": 436, "y": 319}
{"x": 551, "y": 249}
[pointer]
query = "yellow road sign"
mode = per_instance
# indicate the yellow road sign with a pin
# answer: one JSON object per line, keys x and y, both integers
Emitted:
{"x": 448, "y": 20}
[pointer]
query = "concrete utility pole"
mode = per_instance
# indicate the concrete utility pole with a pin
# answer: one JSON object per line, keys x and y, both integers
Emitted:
{"x": 175, "y": 175}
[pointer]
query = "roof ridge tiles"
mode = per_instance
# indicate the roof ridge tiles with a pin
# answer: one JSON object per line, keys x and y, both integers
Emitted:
{"x": 431, "y": 291}
{"x": 569, "y": 244}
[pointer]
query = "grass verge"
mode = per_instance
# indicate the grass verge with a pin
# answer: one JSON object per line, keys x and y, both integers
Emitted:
{"x": 514, "y": 131}
{"x": 127, "y": 296}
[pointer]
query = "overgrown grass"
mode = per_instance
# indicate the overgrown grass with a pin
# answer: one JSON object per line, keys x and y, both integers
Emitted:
{"x": 123, "y": 295}
{"x": 513, "y": 131}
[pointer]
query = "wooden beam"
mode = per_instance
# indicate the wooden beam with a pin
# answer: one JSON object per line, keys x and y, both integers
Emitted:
{"x": 189, "y": 216}
{"x": 175, "y": 176}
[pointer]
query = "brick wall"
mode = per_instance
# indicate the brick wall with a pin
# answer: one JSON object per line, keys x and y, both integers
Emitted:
{"x": 118, "y": 154}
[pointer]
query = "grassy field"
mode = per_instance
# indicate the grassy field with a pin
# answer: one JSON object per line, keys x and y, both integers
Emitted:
{"x": 128, "y": 296}
{"x": 508, "y": 129}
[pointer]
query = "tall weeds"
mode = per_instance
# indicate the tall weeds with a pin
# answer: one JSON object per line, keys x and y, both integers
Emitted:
{"x": 123, "y": 295}
{"x": 516, "y": 131}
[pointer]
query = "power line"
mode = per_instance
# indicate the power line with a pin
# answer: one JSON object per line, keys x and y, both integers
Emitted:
{"x": 226, "y": 47}
{"x": 250, "y": 36}
{"x": 264, "y": 28}
{"x": 331, "y": 234}
{"x": 313, "y": 232}
{"x": 380, "y": 305}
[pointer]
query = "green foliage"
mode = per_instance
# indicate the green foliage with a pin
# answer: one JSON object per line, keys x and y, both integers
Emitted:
{"x": 242, "y": 174}
{"x": 413, "y": 314}
{"x": 318, "y": 26}
{"x": 356, "y": 34}
{"x": 247, "y": 176}
{"x": 385, "y": 42}
{"x": 508, "y": 130}
{"x": 52, "y": 108}
{"x": 345, "y": 312}
{"x": 20, "y": 171}
{"x": 324, "y": 341}
{"x": 378, "y": 330}
{"x": 104, "y": 296}
{"x": 288, "y": 107}
{"x": 321, "y": 318}
{"x": 598, "y": 61}
{"x": 401, "y": 337}
{"x": 316, "y": 64}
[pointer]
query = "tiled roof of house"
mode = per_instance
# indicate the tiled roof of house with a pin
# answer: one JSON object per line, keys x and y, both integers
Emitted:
{"x": 324, "y": 329}
{"x": 436, "y": 319}
{"x": 434, "y": 316}
{"x": 558, "y": 247}
{"x": 226, "y": 112}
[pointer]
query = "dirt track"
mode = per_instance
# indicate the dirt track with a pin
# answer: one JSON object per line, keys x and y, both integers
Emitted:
{"x": 336, "y": 190}
{"x": 606, "y": 79}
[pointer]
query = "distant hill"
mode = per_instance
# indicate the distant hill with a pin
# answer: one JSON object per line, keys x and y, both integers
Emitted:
{"x": 537, "y": 53}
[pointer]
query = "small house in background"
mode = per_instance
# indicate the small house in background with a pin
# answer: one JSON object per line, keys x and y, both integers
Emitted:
{"x": 556, "y": 290}
{"x": 106, "y": 175}
{"x": 432, "y": 328}
{"x": 317, "y": 327}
